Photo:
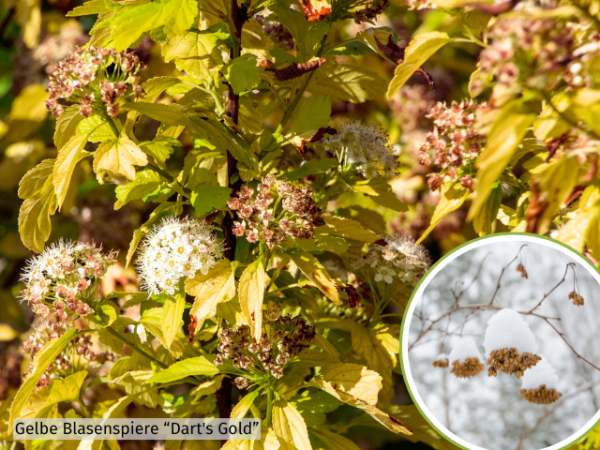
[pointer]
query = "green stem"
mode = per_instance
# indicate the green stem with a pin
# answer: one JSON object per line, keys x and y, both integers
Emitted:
{"x": 269, "y": 406}
{"x": 134, "y": 348}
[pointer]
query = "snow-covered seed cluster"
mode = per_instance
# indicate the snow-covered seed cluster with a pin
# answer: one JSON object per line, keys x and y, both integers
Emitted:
{"x": 287, "y": 338}
{"x": 363, "y": 148}
{"x": 509, "y": 344}
{"x": 540, "y": 384}
{"x": 521, "y": 269}
{"x": 540, "y": 395}
{"x": 176, "y": 248}
{"x": 441, "y": 361}
{"x": 64, "y": 279}
{"x": 465, "y": 359}
{"x": 511, "y": 362}
{"x": 454, "y": 144}
{"x": 577, "y": 298}
{"x": 261, "y": 222}
{"x": 45, "y": 330}
{"x": 396, "y": 258}
{"x": 94, "y": 77}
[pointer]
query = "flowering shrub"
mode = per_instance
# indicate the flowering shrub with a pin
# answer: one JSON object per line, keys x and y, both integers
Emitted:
{"x": 279, "y": 167}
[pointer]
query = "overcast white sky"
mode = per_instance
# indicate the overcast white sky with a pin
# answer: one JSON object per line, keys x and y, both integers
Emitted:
{"x": 488, "y": 411}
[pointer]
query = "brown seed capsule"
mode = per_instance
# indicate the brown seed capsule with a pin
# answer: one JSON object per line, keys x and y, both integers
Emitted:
{"x": 441, "y": 362}
{"x": 510, "y": 361}
{"x": 540, "y": 395}
{"x": 469, "y": 368}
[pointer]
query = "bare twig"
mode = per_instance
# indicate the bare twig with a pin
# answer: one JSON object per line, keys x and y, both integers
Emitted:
{"x": 502, "y": 273}
{"x": 562, "y": 336}
{"x": 572, "y": 266}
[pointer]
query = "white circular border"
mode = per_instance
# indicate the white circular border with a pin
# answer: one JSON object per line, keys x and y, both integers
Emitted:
{"x": 418, "y": 296}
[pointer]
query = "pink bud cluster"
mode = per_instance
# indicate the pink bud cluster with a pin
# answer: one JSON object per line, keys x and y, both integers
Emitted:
{"x": 261, "y": 219}
{"x": 63, "y": 279}
{"x": 94, "y": 76}
{"x": 43, "y": 331}
{"x": 454, "y": 144}
{"x": 287, "y": 338}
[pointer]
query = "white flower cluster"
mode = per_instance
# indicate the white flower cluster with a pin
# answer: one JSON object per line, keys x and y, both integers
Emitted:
{"x": 177, "y": 248}
{"x": 364, "y": 147}
{"x": 62, "y": 277}
{"x": 396, "y": 258}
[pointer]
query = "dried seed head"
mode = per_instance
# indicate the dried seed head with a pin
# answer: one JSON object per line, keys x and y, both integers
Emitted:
{"x": 522, "y": 271}
{"x": 540, "y": 395}
{"x": 465, "y": 359}
{"x": 577, "y": 298}
{"x": 441, "y": 361}
{"x": 511, "y": 362}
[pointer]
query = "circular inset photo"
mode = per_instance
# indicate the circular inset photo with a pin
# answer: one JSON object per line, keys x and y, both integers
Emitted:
{"x": 501, "y": 344}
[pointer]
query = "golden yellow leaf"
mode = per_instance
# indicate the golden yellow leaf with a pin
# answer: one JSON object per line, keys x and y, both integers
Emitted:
{"x": 242, "y": 407}
{"x": 505, "y": 136}
{"x": 315, "y": 272}
{"x": 380, "y": 416}
{"x": 68, "y": 157}
{"x": 452, "y": 199}
{"x": 355, "y": 380}
{"x": 418, "y": 51}
{"x": 115, "y": 158}
{"x": 217, "y": 286}
{"x": 348, "y": 228}
{"x": 251, "y": 293}
{"x": 289, "y": 425}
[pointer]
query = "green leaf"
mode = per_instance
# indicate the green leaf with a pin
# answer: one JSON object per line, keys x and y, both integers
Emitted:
{"x": 353, "y": 84}
{"x": 146, "y": 182}
{"x": 255, "y": 40}
{"x": 175, "y": 15}
{"x": 41, "y": 362}
{"x": 66, "y": 125}
{"x": 172, "y": 317}
{"x": 380, "y": 191}
{"x": 37, "y": 189}
{"x": 451, "y": 200}
{"x": 311, "y": 114}
{"x": 508, "y": 131}
{"x": 115, "y": 159}
{"x": 313, "y": 406}
{"x": 67, "y": 159}
{"x": 96, "y": 128}
{"x": 484, "y": 220}
{"x": 348, "y": 228}
{"x": 215, "y": 135}
{"x": 66, "y": 390}
{"x": 420, "y": 49}
{"x": 89, "y": 8}
{"x": 312, "y": 167}
{"x": 320, "y": 243}
{"x": 152, "y": 319}
{"x": 160, "y": 148}
{"x": 205, "y": 198}
{"x": 251, "y": 294}
{"x": 169, "y": 114}
{"x": 242, "y": 73}
{"x": 186, "y": 368}
{"x": 315, "y": 272}
{"x": 195, "y": 52}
